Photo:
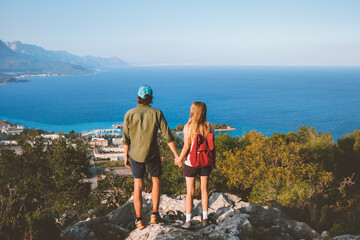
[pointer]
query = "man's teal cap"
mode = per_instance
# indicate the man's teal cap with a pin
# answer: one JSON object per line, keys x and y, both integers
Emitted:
{"x": 145, "y": 90}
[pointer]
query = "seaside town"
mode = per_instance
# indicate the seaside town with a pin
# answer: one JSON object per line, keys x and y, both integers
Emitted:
{"x": 105, "y": 147}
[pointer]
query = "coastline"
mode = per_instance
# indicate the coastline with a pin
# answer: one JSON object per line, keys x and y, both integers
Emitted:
{"x": 225, "y": 129}
{"x": 216, "y": 130}
{"x": 14, "y": 82}
{"x": 17, "y": 78}
{"x": 40, "y": 75}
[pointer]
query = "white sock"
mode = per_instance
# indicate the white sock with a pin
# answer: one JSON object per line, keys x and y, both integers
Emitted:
{"x": 188, "y": 217}
{"x": 205, "y": 215}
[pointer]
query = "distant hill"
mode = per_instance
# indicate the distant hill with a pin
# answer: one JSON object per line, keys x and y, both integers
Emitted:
{"x": 18, "y": 62}
{"x": 5, "y": 51}
{"x": 22, "y": 58}
{"x": 39, "y": 53}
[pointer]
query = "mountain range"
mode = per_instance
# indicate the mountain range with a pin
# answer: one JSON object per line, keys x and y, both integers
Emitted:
{"x": 19, "y": 59}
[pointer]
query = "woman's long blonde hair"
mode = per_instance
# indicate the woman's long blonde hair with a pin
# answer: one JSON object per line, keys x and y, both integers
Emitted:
{"x": 197, "y": 123}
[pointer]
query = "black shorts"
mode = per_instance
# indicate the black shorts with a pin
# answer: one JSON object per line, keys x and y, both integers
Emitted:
{"x": 153, "y": 166}
{"x": 193, "y": 172}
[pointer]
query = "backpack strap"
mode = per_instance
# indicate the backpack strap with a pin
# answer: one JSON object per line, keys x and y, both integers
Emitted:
{"x": 194, "y": 148}
{"x": 210, "y": 140}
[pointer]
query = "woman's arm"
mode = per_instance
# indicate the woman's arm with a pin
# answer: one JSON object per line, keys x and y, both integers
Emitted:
{"x": 185, "y": 149}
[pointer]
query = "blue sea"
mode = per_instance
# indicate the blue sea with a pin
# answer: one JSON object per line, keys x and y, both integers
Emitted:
{"x": 262, "y": 98}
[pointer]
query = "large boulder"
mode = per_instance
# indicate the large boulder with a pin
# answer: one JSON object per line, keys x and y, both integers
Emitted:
{"x": 230, "y": 218}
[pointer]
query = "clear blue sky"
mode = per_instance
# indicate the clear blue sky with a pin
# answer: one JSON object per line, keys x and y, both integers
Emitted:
{"x": 270, "y": 32}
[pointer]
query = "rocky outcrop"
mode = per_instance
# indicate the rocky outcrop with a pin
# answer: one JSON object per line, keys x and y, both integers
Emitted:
{"x": 230, "y": 218}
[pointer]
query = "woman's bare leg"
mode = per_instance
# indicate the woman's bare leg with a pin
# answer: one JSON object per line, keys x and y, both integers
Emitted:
{"x": 204, "y": 193}
{"x": 190, "y": 188}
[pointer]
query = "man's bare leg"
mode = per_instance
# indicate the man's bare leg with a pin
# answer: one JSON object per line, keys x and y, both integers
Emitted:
{"x": 138, "y": 186}
{"x": 155, "y": 193}
{"x": 155, "y": 196}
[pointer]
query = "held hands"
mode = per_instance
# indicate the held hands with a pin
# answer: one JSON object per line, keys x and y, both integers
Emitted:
{"x": 178, "y": 161}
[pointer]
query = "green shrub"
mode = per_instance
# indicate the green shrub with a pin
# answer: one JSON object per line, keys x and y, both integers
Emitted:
{"x": 42, "y": 226}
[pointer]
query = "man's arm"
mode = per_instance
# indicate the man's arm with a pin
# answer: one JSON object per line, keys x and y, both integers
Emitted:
{"x": 168, "y": 136}
{"x": 126, "y": 142}
{"x": 126, "y": 136}
{"x": 165, "y": 130}
{"x": 126, "y": 156}
{"x": 172, "y": 147}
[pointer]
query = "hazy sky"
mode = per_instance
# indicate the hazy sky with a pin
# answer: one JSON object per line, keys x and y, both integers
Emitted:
{"x": 191, "y": 32}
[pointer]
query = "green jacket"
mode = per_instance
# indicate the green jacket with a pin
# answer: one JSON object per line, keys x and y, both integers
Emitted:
{"x": 141, "y": 125}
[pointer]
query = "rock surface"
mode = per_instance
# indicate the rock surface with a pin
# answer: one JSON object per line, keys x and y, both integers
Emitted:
{"x": 230, "y": 218}
{"x": 347, "y": 237}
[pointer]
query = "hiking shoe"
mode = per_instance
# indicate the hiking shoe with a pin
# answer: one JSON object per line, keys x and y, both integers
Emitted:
{"x": 139, "y": 224}
{"x": 205, "y": 222}
{"x": 187, "y": 225}
{"x": 155, "y": 219}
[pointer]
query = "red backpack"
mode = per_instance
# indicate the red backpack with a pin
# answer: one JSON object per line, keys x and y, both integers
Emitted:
{"x": 202, "y": 153}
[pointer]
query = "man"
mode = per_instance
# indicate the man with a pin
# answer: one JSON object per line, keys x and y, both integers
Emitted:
{"x": 140, "y": 129}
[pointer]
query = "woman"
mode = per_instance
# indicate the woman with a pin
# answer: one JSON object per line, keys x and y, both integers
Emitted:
{"x": 197, "y": 124}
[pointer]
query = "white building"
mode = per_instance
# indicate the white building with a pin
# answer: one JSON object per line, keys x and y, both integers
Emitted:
{"x": 6, "y": 128}
{"x": 98, "y": 142}
{"x": 8, "y": 142}
{"x": 111, "y": 149}
{"x": 13, "y": 131}
{"x": 117, "y": 141}
{"x": 50, "y": 136}
{"x": 114, "y": 154}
